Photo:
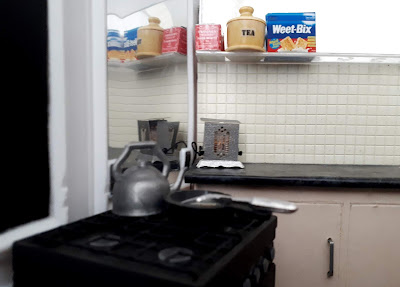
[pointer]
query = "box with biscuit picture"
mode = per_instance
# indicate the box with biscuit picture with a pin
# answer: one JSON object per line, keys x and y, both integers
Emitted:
{"x": 114, "y": 45}
{"x": 130, "y": 44}
{"x": 291, "y": 32}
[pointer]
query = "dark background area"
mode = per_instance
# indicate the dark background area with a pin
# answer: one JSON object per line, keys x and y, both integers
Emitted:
{"x": 25, "y": 97}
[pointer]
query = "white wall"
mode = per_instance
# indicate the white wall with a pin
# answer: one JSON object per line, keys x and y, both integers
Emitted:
{"x": 140, "y": 95}
{"x": 123, "y": 8}
{"x": 326, "y": 113}
{"x": 336, "y": 113}
{"x": 134, "y": 96}
{"x": 342, "y": 26}
{"x": 172, "y": 13}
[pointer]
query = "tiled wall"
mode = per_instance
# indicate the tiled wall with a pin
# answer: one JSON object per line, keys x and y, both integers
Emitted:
{"x": 141, "y": 95}
{"x": 330, "y": 113}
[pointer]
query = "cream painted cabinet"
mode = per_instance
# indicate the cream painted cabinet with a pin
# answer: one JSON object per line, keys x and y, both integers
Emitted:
{"x": 301, "y": 246}
{"x": 363, "y": 224}
{"x": 373, "y": 247}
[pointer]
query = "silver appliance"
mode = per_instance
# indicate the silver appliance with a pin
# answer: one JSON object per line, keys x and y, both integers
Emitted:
{"x": 221, "y": 139}
{"x": 160, "y": 131}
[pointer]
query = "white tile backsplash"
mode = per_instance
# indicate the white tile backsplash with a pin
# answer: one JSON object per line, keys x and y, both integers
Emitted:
{"x": 327, "y": 113}
{"x": 141, "y": 95}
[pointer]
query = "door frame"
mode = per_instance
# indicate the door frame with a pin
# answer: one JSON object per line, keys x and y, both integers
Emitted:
{"x": 76, "y": 106}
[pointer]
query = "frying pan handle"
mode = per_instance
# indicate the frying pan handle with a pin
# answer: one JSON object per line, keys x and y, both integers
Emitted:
{"x": 266, "y": 204}
{"x": 272, "y": 205}
{"x": 116, "y": 169}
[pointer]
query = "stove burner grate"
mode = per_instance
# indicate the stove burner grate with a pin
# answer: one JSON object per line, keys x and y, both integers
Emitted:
{"x": 159, "y": 241}
{"x": 175, "y": 255}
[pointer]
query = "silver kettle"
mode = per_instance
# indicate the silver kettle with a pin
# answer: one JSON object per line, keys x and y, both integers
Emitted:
{"x": 140, "y": 190}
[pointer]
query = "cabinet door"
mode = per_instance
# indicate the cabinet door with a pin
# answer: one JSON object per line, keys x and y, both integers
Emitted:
{"x": 373, "y": 257}
{"x": 301, "y": 246}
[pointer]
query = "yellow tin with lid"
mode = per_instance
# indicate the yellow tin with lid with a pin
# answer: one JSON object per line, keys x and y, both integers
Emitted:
{"x": 246, "y": 32}
{"x": 149, "y": 39}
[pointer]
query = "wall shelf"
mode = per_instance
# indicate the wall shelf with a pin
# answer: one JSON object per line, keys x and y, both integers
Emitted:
{"x": 157, "y": 62}
{"x": 293, "y": 58}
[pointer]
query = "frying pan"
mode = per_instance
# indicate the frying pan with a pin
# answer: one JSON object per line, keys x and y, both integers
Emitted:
{"x": 194, "y": 202}
{"x": 212, "y": 200}
{"x": 209, "y": 213}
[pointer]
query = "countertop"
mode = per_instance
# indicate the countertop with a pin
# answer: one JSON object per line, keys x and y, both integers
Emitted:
{"x": 375, "y": 176}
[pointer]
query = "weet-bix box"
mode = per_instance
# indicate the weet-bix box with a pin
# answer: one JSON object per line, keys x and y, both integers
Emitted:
{"x": 114, "y": 44}
{"x": 291, "y": 32}
{"x": 130, "y": 44}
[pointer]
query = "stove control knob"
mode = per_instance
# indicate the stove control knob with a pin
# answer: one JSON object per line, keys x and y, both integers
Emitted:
{"x": 264, "y": 264}
{"x": 271, "y": 254}
{"x": 247, "y": 283}
{"x": 256, "y": 275}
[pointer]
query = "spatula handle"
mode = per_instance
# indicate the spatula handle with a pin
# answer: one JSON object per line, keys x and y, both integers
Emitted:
{"x": 272, "y": 205}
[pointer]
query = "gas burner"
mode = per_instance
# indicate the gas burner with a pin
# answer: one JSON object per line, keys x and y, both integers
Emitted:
{"x": 106, "y": 241}
{"x": 175, "y": 255}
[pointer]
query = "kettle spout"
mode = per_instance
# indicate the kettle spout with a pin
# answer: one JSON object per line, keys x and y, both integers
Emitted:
{"x": 184, "y": 163}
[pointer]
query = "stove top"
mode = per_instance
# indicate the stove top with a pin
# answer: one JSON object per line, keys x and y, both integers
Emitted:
{"x": 163, "y": 249}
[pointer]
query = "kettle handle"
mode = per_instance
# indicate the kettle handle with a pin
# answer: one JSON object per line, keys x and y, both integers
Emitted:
{"x": 116, "y": 168}
{"x": 184, "y": 163}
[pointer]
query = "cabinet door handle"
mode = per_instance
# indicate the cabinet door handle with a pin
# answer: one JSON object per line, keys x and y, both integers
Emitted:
{"x": 331, "y": 250}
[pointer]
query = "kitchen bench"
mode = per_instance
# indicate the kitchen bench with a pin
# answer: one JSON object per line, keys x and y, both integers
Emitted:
{"x": 300, "y": 175}
{"x": 358, "y": 207}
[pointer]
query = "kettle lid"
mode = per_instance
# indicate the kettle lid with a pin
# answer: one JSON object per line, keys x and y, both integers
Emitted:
{"x": 153, "y": 25}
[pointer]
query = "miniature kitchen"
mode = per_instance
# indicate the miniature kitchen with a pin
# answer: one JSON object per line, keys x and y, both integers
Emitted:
{"x": 247, "y": 144}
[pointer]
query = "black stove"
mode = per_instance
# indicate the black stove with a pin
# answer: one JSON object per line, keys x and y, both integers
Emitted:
{"x": 164, "y": 249}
